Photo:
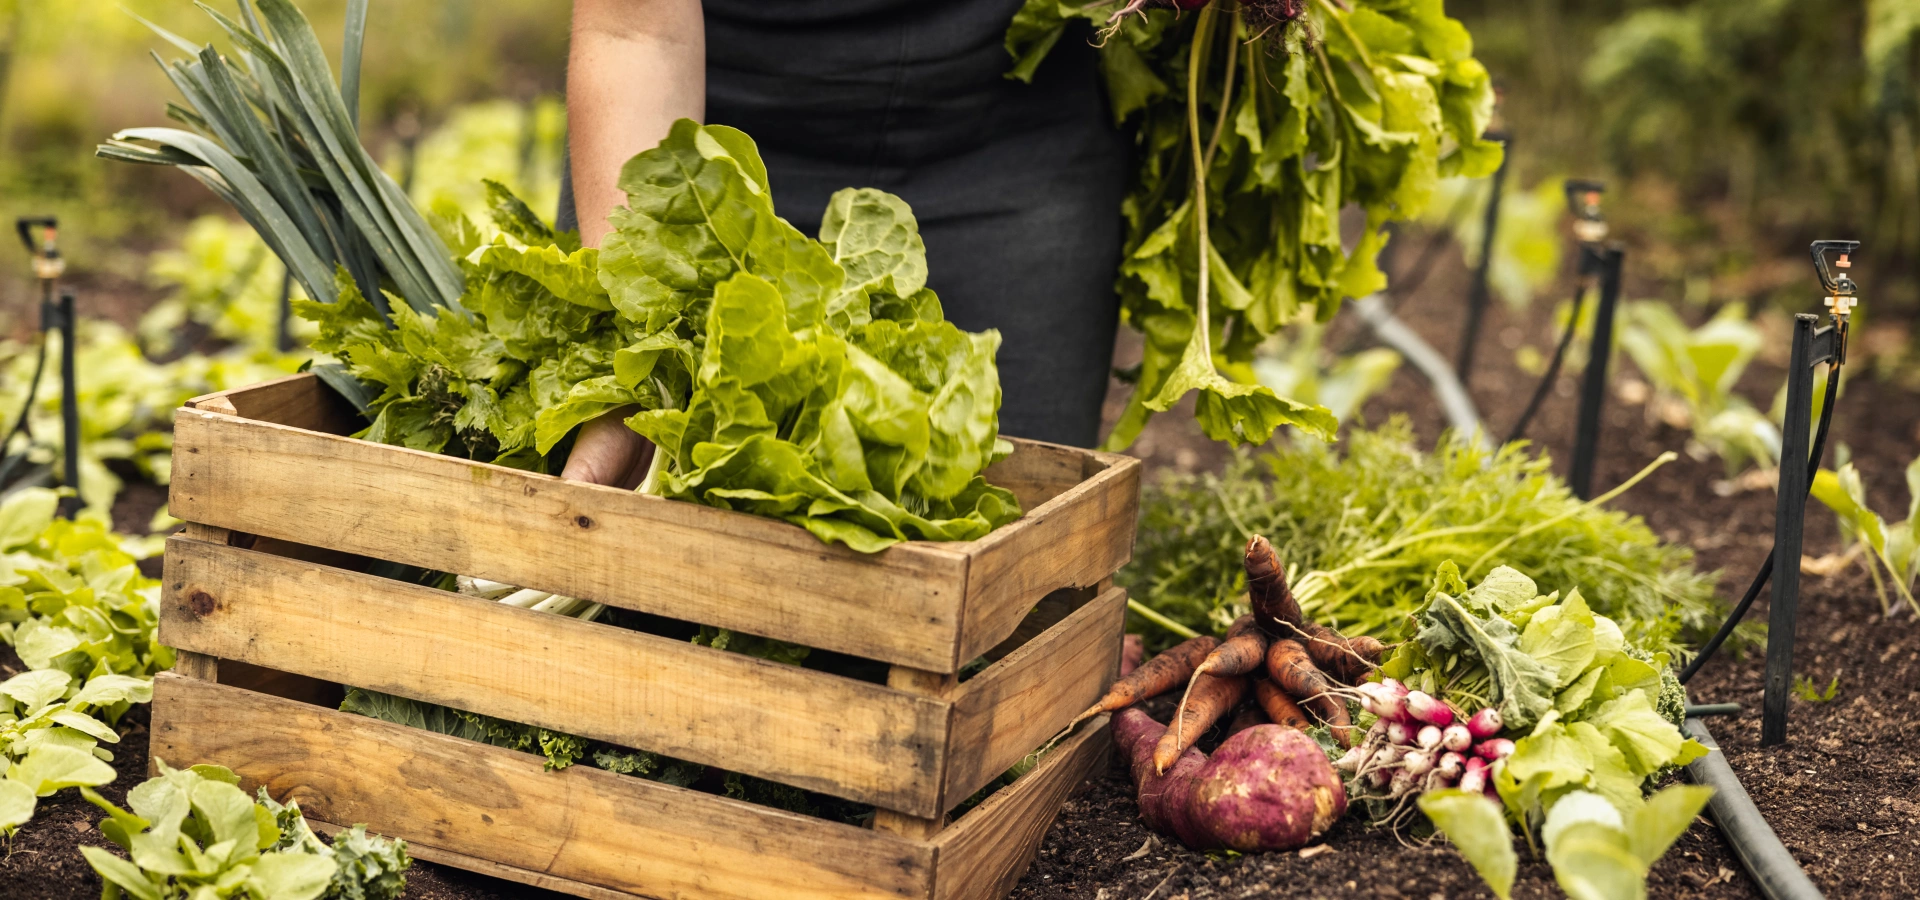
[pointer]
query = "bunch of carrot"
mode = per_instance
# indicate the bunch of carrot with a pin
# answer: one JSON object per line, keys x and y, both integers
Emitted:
{"x": 1287, "y": 665}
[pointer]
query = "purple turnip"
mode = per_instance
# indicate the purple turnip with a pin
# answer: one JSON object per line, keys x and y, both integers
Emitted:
{"x": 1265, "y": 788}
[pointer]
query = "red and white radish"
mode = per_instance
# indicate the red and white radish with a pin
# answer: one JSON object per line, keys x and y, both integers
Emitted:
{"x": 1494, "y": 750}
{"x": 1428, "y": 737}
{"x": 1429, "y": 709}
{"x": 1484, "y": 724}
{"x": 1455, "y": 737}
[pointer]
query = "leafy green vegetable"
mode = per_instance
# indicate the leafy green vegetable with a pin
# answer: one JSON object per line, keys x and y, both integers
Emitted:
{"x": 1478, "y": 830}
{"x": 1895, "y": 547}
{"x": 193, "y": 833}
{"x": 1694, "y": 372}
{"x": 1384, "y": 517}
{"x": 80, "y": 615}
{"x": 812, "y": 381}
{"x": 1581, "y": 759}
{"x": 1363, "y": 104}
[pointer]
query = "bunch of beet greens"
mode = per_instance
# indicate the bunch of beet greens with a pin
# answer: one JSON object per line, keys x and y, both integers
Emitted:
{"x": 1256, "y": 125}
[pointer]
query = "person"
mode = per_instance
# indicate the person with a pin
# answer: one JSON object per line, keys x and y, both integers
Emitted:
{"x": 1017, "y": 187}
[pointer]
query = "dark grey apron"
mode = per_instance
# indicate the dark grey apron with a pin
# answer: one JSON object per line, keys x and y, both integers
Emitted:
{"x": 1017, "y": 186}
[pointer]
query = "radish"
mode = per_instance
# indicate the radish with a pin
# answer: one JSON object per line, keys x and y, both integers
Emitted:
{"x": 1450, "y": 764}
{"x": 1494, "y": 750}
{"x": 1398, "y": 735}
{"x": 1417, "y": 763}
{"x": 1455, "y": 737}
{"x": 1350, "y": 763}
{"x": 1402, "y": 784}
{"x": 1473, "y": 781}
{"x": 1429, "y": 709}
{"x": 1475, "y": 762}
{"x": 1390, "y": 700}
{"x": 1484, "y": 724}
{"x": 1428, "y": 738}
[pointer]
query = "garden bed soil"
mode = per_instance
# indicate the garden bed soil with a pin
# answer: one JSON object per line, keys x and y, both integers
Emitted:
{"x": 1844, "y": 793}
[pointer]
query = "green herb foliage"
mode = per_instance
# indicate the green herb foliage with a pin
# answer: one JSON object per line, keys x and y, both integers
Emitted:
{"x": 812, "y": 381}
{"x": 1360, "y": 104}
{"x": 192, "y": 833}
{"x": 1892, "y": 548}
{"x": 1376, "y": 523}
{"x": 1584, "y": 714}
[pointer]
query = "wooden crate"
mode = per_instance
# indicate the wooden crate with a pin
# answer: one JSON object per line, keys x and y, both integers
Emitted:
{"x": 267, "y": 595}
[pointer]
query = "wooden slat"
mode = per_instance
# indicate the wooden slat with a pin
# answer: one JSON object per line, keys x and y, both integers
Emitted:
{"x": 580, "y": 824}
{"x": 1018, "y": 703}
{"x": 1074, "y": 540}
{"x": 301, "y": 401}
{"x": 682, "y": 560}
{"x": 1039, "y": 472}
{"x": 493, "y": 869}
{"x": 839, "y": 736}
{"x": 982, "y": 856}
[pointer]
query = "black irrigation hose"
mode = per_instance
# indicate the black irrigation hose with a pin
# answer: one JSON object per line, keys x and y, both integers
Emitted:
{"x": 1774, "y": 870}
{"x": 1553, "y": 368}
{"x": 1766, "y": 567}
{"x": 20, "y": 425}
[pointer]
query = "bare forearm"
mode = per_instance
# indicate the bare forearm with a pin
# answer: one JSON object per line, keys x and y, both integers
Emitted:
{"x": 635, "y": 67}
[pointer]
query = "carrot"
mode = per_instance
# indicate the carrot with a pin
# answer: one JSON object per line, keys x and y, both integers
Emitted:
{"x": 1292, "y": 670}
{"x": 1208, "y": 698}
{"x": 1345, "y": 658}
{"x": 1246, "y": 718}
{"x": 1273, "y": 604}
{"x": 1240, "y": 653}
{"x": 1279, "y": 707}
{"x": 1154, "y": 677}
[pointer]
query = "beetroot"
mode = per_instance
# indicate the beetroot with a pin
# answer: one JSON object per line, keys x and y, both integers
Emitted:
{"x": 1265, "y": 788}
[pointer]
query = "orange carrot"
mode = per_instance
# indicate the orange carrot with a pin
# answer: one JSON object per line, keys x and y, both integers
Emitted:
{"x": 1240, "y": 653}
{"x": 1274, "y": 606}
{"x": 1345, "y": 658}
{"x": 1292, "y": 670}
{"x": 1279, "y": 707}
{"x": 1154, "y": 677}
{"x": 1208, "y": 698}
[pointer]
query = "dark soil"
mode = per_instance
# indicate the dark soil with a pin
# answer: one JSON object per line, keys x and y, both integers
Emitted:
{"x": 1844, "y": 793}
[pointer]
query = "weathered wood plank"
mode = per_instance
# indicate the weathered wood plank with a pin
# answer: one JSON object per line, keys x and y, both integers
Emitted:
{"x": 580, "y": 824}
{"x": 1039, "y": 472}
{"x": 683, "y": 560}
{"x": 1014, "y": 706}
{"x": 301, "y": 401}
{"x": 839, "y": 736}
{"x": 982, "y": 856}
{"x": 1074, "y": 540}
{"x": 489, "y": 867}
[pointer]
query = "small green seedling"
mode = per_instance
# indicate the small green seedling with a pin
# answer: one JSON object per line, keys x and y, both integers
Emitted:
{"x": 1809, "y": 690}
{"x": 1891, "y": 548}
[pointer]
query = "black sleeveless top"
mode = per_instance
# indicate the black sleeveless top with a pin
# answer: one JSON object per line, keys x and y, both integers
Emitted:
{"x": 1017, "y": 186}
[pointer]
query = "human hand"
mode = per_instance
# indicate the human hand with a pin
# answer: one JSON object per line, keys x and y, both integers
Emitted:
{"x": 608, "y": 452}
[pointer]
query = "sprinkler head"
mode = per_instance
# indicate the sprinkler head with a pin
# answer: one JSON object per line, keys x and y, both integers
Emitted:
{"x": 1842, "y": 292}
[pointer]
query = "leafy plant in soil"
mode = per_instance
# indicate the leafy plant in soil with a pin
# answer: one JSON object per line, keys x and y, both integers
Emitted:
{"x": 1361, "y": 534}
{"x": 81, "y": 616}
{"x": 1256, "y": 124}
{"x": 1892, "y": 549}
{"x": 1694, "y": 371}
{"x": 193, "y": 833}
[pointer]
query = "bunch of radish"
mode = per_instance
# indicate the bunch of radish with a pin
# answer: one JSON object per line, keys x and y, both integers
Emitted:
{"x": 1420, "y": 743}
